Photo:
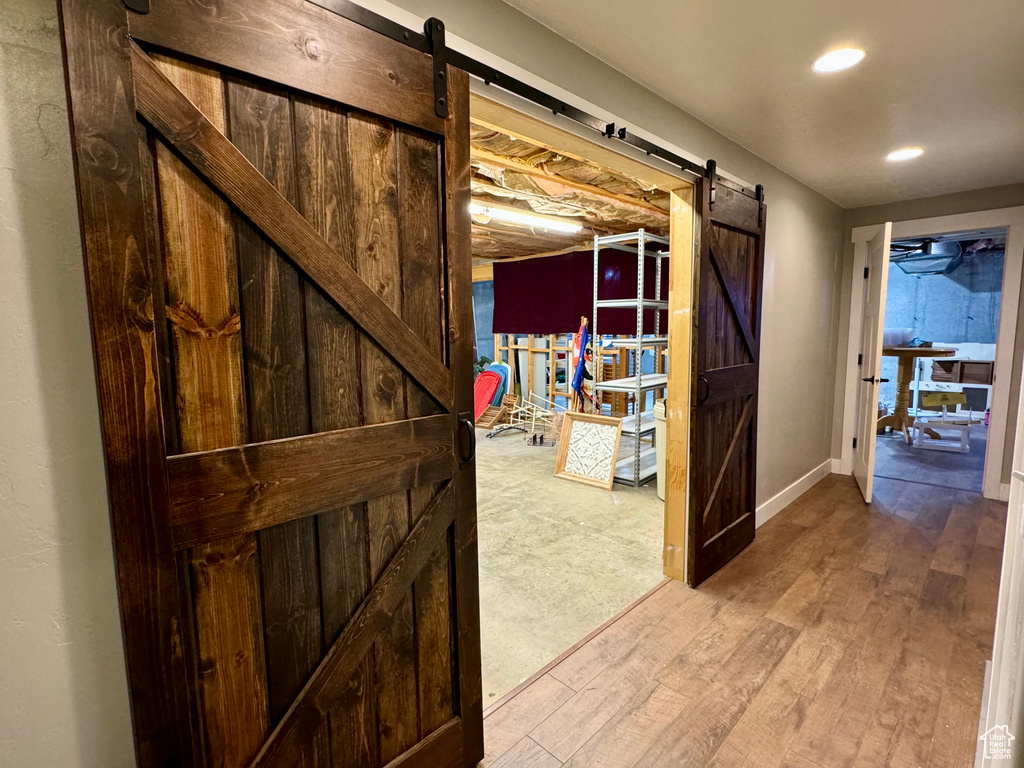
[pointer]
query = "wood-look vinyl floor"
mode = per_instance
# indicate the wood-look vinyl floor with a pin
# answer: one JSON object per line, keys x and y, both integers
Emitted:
{"x": 846, "y": 635}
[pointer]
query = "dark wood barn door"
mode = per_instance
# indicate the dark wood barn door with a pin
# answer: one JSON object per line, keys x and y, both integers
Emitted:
{"x": 275, "y": 226}
{"x": 726, "y": 348}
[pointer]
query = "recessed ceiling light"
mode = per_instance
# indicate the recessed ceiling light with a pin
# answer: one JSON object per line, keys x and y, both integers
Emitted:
{"x": 907, "y": 153}
{"x": 844, "y": 58}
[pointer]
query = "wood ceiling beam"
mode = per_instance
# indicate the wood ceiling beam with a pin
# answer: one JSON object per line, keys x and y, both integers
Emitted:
{"x": 554, "y": 184}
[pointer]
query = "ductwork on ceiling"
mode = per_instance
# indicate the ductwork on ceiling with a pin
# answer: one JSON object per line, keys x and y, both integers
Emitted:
{"x": 943, "y": 254}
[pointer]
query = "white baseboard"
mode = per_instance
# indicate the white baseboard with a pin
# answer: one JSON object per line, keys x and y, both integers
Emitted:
{"x": 1004, "y": 492}
{"x": 837, "y": 467}
{"x": 791, "y": 493}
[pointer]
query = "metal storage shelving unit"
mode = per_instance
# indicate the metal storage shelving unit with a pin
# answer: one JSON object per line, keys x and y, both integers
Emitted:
{"x": 642, "y": 465}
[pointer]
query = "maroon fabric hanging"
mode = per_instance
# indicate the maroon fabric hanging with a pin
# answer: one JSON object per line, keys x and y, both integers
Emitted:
{"x": 549, "y": 295}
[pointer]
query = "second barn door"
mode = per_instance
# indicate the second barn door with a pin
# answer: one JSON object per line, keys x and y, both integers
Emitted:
{"x": 275, "y": 213}
{"x": 726, "y": 347}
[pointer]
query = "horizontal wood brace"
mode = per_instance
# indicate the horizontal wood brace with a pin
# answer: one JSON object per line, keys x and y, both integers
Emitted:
{"x": 299, "y": 45}
{"x": 239, "y": 490}
{"x": 725, "y": 384}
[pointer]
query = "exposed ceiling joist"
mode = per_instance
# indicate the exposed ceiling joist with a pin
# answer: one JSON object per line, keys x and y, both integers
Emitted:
{"x": 555, "y": 185}
{"x": 540, "y": 178}
{"x": 499, "y": 117}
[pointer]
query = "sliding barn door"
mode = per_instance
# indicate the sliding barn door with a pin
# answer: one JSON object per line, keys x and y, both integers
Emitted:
{"x": 275, "y": 225}
{"x": 726, "y": 342}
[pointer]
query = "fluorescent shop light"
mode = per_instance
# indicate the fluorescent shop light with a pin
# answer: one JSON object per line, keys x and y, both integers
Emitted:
{"x": 512, "y": 215}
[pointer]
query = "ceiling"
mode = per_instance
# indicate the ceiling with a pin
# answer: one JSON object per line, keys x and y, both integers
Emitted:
{"x": 945, "y": 75}
{"x": 514, "y": 171}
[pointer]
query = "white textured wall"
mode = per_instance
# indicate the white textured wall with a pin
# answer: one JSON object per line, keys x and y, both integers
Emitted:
{"x": 63, "y": 696}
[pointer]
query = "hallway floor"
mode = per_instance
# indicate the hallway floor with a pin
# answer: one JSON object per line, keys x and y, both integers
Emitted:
{"x": 557, "y": 558}
{"x": 898, "y": 461}
{"x": 846, "y": 635}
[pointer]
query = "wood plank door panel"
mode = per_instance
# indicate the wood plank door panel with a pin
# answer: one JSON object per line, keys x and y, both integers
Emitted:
{"x": 275, "y": 227}
{"x": 726, "y": 335}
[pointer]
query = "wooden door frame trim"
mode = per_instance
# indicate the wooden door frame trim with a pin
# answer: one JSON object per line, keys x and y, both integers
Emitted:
{"x": 1011, "y": 296}
{"x": 684, "y": 238}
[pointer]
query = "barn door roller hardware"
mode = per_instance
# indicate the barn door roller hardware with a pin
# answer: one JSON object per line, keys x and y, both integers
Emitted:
{"x": 429, "y": 43}
{"x": 433, "y": 29}
{"x": 709, "y": 171}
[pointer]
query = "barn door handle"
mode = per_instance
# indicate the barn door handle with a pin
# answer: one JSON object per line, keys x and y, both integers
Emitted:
{"x": 873, "y": 380}
{"x": 707, "y": 389}
{"x": 466, "y": 440}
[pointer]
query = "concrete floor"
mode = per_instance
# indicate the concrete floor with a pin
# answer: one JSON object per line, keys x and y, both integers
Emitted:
{"x": 557, "y": 558}
{"x": 896, "y": 460}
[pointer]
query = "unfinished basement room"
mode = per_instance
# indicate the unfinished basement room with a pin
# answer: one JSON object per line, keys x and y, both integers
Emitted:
{"x": 570, "y": 523}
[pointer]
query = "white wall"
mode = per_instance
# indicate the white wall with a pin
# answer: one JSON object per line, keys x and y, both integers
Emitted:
{"x": 63, "y": 695}
{"x": 803, "y": 250}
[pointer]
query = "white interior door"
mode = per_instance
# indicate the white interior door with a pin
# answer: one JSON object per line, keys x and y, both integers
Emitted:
{"x": 873, "y": 320}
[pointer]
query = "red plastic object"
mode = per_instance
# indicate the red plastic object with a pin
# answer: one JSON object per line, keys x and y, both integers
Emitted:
{"x": 486, "y": 385}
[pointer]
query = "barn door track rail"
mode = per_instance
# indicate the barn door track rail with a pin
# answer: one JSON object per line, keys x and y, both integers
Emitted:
{"x": 432, "y": 42}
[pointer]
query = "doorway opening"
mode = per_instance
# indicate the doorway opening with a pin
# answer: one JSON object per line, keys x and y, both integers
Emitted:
{"x": 860, "y": 369}
{"x": 942, "y": 308}
{"x": 561, "y": 555}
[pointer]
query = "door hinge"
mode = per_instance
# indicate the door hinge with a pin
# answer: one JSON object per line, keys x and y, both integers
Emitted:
{"x": 139, "y": 6}
{"x": 759, "y": 194}
{"x": 860, "y": 359}
{"x": 855, "y": 443}
{"x": 865, "y": 273}
{"x": 434, "y": 31}
{"x": 711, "y": 172}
